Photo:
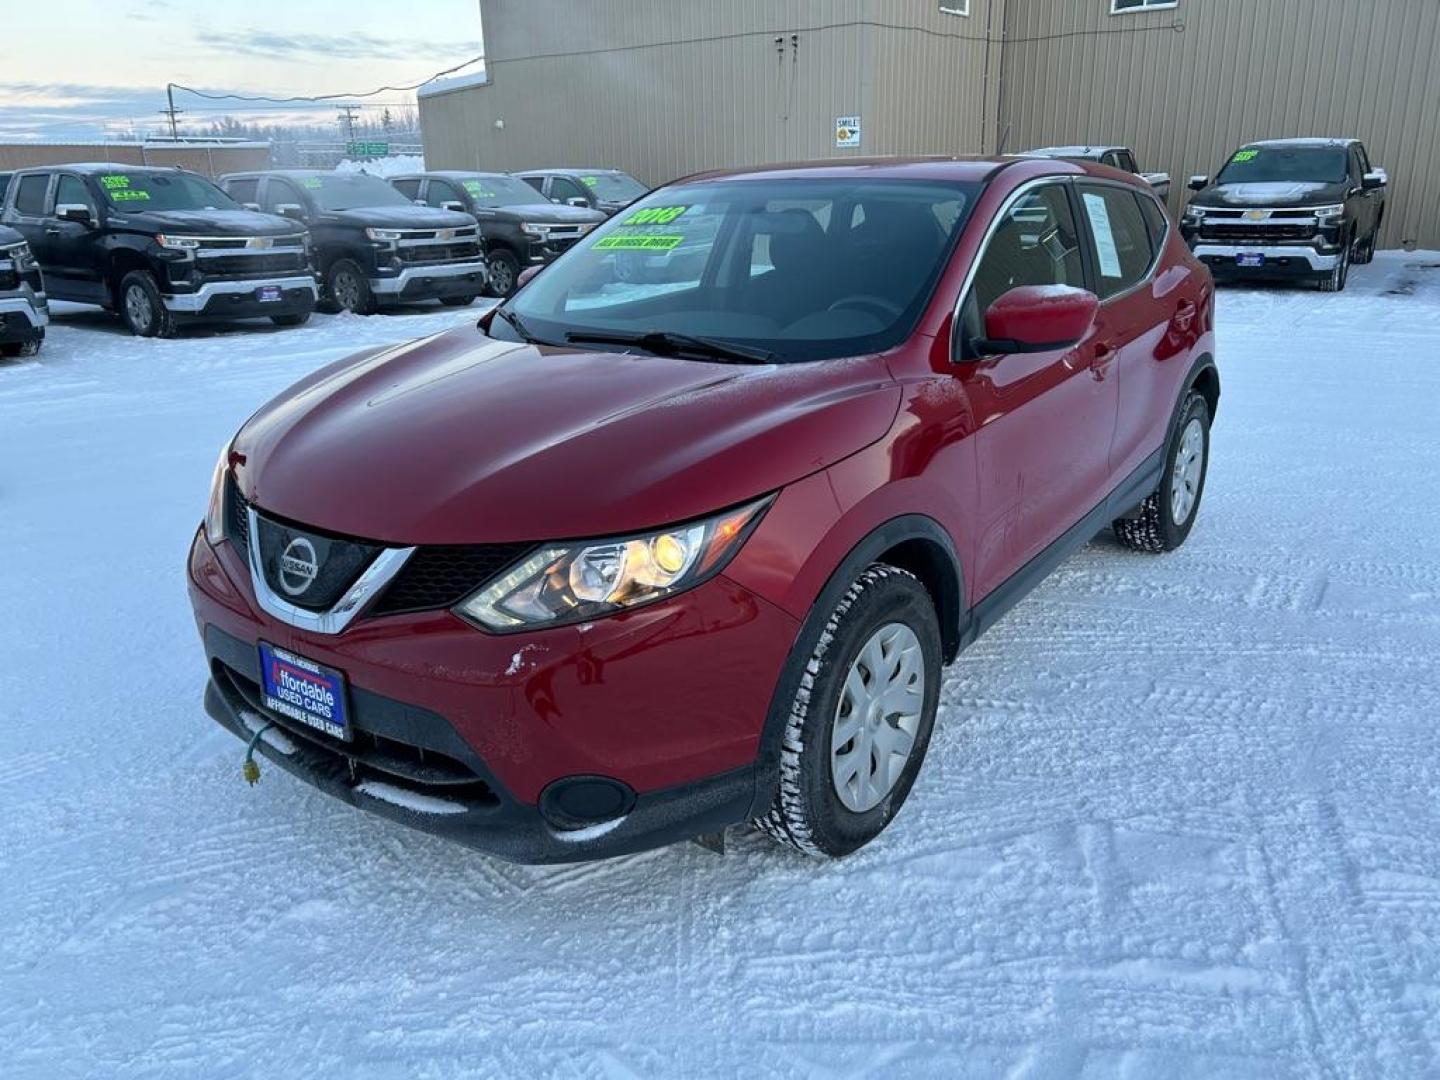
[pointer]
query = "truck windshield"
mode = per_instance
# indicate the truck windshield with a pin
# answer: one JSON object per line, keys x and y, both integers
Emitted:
{"x": 347, "y": 191}
{"x": 1271, "y": 164}
{"x": 163, "y": 191}
{"x": 493, "y": 190}
{"x": 802, "y": 269}
{"x": 613, "y": 186}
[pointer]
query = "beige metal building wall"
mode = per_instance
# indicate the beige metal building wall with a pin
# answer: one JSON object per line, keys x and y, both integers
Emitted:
{"x": 1239, "y": 70}
{"x": 666, "y": 87}
{"x": 208, "y": 160}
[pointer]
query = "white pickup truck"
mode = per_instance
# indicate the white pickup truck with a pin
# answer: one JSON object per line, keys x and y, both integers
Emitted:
{"x": 1121, "y": 157}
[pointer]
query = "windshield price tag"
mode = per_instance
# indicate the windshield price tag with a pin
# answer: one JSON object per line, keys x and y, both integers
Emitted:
{"x": 590, "y": 181}
{"x": 1245, "y": 155}
{"x": 114, "y": 182}
{"x": 310, "y": 182}
{"x": 128, "y": 195}
{"x": 474, "y": 187}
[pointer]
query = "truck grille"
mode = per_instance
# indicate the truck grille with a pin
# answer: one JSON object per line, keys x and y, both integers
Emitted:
{"x": 1257, "y": 233}
{"x": 427, "y": 254}
{"x": 247, "y": 266}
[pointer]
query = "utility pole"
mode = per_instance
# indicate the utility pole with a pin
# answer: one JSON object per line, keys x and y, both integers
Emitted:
{"x": 347, "y": 117}
{"x": 171, "y": 112}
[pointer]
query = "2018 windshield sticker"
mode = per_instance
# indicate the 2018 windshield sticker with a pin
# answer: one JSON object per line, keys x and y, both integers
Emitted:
{"x": 311, "y": 182}
{"x": 1245, "y": 155}
{"x": 638, "y": 242}
{"x": 590, "y": 181}
{"x": 655, "y": 215}
{"x": 114, "y": 181}
{"x": 479, "y": 190}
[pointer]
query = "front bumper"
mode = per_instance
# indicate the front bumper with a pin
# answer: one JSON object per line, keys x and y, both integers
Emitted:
{"x": 439, "y": 281}
{"x": 24, "y": 314}
{"x": 237, "y": 299}
{"x": 1281, "y": 260}
{"x": 666, "y": 702}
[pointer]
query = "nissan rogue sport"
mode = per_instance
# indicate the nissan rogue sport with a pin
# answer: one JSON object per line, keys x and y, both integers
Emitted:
{"x": 634, "y": 562}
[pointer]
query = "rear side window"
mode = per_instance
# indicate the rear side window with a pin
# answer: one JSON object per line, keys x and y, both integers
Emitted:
{"x": 1119, "y": 237}
{"x": 1156, "y": 220}
{"x": 30, "y": 194}
{"x": 1035, "y": 243}
{"x": 244, "y": 190}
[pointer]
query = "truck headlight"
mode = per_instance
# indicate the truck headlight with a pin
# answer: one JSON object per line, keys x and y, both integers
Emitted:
{"x": 177, "y": 243}
{"x": 387, "y": 235}
{"x": 1329, "y": 214}
{"x": 563, "y": 583}
{"x": 542, "y": 231}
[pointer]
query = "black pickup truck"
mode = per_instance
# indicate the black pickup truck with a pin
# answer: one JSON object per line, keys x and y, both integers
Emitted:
{"x": 1290, "y": 209}
{"x": 160, "y": 246}
{"x": 519, "y": 227}
{"x": 23, "y": 310}
{"x": 606, "y": 190}
{"x": 372, "y": 245}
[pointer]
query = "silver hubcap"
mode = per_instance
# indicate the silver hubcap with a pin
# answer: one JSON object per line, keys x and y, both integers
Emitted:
{"x": 137, "y": 307}
{"x": 1189, "y": 464}
{"x": 347, "y": 290}
{"x": 877, "y": 717}
{"x": 500, "y": 276}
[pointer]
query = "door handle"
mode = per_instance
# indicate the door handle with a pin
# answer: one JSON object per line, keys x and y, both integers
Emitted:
{"x": 1185, "y": 314}
{"x": 52, "y": 230}
{"x": 1100, "y": 363}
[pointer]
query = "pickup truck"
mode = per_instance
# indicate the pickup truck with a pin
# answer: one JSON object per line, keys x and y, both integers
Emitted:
{"x": 372, "y": 245}
{"x": 520, "y": 229}
{"x": 606, "y": 190}
{"x": 23, "y": 309}
{"x": 1119, "y": 157}
{"x": 1290, "y": 209}
{"x": 161, "y": 246}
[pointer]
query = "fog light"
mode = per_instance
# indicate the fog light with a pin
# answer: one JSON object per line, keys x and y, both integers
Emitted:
{"x": 577, "y": 802}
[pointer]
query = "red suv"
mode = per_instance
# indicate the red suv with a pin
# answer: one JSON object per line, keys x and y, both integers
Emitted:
{"x": 653, "y": 554}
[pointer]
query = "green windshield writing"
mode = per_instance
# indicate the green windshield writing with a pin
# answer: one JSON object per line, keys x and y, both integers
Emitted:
{"x": 1245, "y": 155}
{"x": 114, "y": 182}
{"x": 656, "y": 215}
{"x": 639, "y": 243}
{"x": 310, "y": 182}
{"x": 128, "y": 195}
{"x": 479, "y": 190}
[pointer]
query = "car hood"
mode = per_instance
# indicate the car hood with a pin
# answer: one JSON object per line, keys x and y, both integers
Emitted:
{"x": 399, "y": 217}
{"x": 9, "y": 236}
{"x": 1279, "y": 193}
{"x": 206, "y": 222}
{"x": 540, "y": 213}
{"x": 459, "y": 438}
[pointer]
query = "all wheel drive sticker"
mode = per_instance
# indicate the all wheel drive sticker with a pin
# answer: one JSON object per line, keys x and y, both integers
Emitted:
{"x": 638, "y": 231}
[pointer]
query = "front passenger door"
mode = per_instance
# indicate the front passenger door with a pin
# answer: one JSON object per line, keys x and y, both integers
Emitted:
{"x": 74, "y": 247}
{"x": 1046, "y": 418}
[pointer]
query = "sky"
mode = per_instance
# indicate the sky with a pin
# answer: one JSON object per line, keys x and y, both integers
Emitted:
{"x": 85, "y": 69}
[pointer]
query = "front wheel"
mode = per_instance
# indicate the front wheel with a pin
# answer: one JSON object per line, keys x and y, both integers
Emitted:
{"x": 1335, "y": 280}
{"x": 142, "y": 308}
{"x": 15, "y": 349}
{"x": 860, "y": 722}
{"x": 348, "y": 289}
{"x": 504, "y": 272}
{"x": 1165, "y": 518}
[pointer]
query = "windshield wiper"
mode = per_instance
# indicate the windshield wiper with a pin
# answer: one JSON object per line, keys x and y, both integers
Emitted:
{"x": 670, "y": 343}
{"x": 518, "y": 326}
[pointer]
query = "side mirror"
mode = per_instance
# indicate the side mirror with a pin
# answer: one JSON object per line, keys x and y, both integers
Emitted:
{"x": 1038, "y": 318}
{"x": 576, "y": 200}
{"x": 1198, "y": 182}
{"x": 1374, "y": 179}
{"x": 526, "y": 274}
{"x": 453, "y": 204}
{"x": 419, "y": 202}
{"x": 76, "y": 212}
{"x": 290, "y": 210}
{"x": 250, "y": 206}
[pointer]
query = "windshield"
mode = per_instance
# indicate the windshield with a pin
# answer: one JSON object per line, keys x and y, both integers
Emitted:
{"x": 613, "y": 186}
{"x": 163, "y": 191}
{"x": 493, "y": 190}
{"x": 804, "y": 269}
{"x": 346, "y": 191}
{"x": 1269, "y": 164}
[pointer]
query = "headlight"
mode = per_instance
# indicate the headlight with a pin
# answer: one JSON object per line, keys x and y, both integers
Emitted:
{"x": 1194, "y": 213}
{"x": 24, "y": 260}
{"x": 215, "y": 510}
{"x": 1325, "y": 213}
{"x": 178, "y": 243}
{"x": 383, "y": 234}
{"x": 541, "y": 231}
{"x": 568, "y": 583}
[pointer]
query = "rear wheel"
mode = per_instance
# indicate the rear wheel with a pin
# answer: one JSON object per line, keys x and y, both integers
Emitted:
{"x": 141, "y": 306}
{"x": 860, "y": 723}
{"x": 1164, "y": 520}
{"x": 20, "y": 348}
{"x": 504, "y": 272}
{"x": 348, "y": 289}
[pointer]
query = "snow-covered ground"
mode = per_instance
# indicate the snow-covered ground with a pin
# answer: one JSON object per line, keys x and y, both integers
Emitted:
{"x": 1181, "y": 817}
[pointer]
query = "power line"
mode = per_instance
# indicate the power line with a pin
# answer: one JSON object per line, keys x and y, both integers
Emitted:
{"x": 326, "y": 97}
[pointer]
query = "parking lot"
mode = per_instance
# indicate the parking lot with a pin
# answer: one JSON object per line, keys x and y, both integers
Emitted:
{"x": 1179, "y": 817}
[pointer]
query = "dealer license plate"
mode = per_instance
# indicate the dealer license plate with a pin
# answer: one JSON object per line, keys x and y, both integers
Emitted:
{"x": 269, "y": 293}
{"x": 1250, "y": 258}
{"x": 303, "y": 690}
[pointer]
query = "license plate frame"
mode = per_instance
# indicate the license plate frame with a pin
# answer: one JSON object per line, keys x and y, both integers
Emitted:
{"x": 1250, "y": 259}
{"x": 305, "y": 690}
{"x": 269, "y": 294}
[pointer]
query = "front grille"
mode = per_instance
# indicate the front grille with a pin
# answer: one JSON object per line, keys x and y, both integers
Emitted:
{"x": 309, "y": 569}
{"x": 1258, "y": 234}
{"x": 442, "y": 576}
{"x": 9, "y": 279}
{"x": 368, "y": 754}
{"x": 257, "y": 265}
{"x": 426, "y": 254}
